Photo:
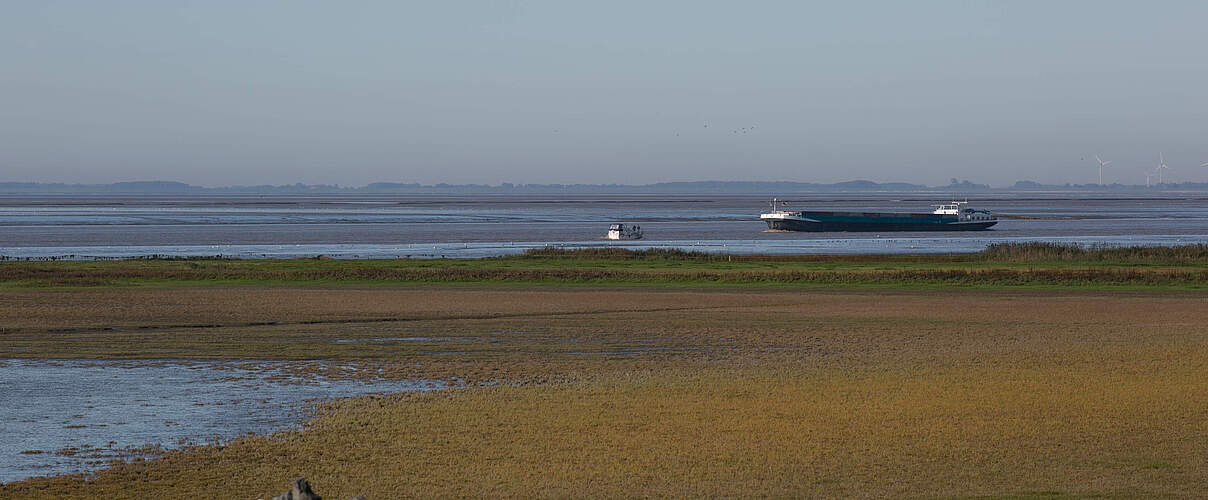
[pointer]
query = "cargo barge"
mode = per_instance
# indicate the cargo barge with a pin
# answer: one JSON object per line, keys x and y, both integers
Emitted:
{"x": 954, "y": 216}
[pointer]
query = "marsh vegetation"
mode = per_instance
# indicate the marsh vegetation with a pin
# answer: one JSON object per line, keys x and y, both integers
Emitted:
{"x": 1022, "y": 265}
{"x": 671, "y": 392}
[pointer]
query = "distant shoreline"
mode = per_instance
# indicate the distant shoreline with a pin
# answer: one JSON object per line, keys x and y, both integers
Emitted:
{"x": 693, "y": 187}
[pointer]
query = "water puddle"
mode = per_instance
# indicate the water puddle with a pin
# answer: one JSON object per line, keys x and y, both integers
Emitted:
{"x": 76, "y": 416}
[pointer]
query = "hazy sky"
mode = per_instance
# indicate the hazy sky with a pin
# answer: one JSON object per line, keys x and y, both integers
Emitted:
{"x": 247, "y": 92}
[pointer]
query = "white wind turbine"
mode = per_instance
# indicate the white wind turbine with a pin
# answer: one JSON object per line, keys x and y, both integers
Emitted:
{"x": 1101, "y": 165}
{"x": 1161, "y": 166}
{"x": 1148, "y": 174}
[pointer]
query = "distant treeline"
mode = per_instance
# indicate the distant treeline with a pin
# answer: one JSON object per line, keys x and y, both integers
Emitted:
{"x": 694, "y": 187}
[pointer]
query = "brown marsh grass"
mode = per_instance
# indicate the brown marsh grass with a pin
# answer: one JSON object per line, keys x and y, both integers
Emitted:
{"x": 1034, "y": 251}
{"x": 235, "y": 305}
{"x": 1037, "y": 251}
{"x": 1002, "y": 265}
{"x": 953, "y": 393}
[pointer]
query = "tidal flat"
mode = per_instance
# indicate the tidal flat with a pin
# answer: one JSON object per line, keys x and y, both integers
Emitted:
{"x": 76, "y": 416}
{"x": 956, "y": 391}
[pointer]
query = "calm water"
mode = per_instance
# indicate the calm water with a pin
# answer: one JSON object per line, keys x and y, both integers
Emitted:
{"x": 75, "y": 416}
{"x": 366, "y": 226}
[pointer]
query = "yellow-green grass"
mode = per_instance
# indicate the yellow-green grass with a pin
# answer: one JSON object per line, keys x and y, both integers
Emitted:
{"x": 1121, "y": 423}
{"x": 953, "y": 393}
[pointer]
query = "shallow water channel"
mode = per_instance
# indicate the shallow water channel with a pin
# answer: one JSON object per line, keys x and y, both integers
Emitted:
{"x": 77, "y": 416}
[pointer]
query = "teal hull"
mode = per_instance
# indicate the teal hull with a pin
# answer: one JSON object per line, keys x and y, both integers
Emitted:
{"x": 863, "y": 221}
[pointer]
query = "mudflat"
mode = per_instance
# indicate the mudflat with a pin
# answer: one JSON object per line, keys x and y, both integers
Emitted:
{"x": 671, "y": 392}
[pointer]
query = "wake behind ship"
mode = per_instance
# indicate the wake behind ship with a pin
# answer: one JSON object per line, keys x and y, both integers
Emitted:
{"x": 955, "y": 216}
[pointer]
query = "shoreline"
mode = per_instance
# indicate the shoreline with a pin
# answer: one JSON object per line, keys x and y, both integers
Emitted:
{"x": 139, "y": 409}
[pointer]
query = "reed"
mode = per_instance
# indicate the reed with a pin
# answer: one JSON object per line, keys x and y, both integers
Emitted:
{"x": 1069, "y": 252}
{"x": 1032, "y": 251}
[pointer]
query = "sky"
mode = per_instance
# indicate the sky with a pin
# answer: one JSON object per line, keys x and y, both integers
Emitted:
{"x": 218, "y": 92}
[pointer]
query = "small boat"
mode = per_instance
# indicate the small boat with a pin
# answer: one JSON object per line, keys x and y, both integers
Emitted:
{"x": 954, "y": 216}
{"x": 624, "y": 232}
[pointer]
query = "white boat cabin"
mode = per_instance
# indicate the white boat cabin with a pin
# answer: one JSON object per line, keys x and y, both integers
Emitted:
{"x": 966, "y": 214}
{"x": 624, "y": 232}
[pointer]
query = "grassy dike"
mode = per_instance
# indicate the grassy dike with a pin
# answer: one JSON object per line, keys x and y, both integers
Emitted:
{"x": 1074, "y": 389}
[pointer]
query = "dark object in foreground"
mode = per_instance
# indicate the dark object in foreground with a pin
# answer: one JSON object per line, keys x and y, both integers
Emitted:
{"x": 301, "y": 491}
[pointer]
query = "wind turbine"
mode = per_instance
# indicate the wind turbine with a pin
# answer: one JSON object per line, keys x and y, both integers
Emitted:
{"x": 1161, "y": 166}
{"x": 1148, "y": 174}
{"x": 1101, "y": 165}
